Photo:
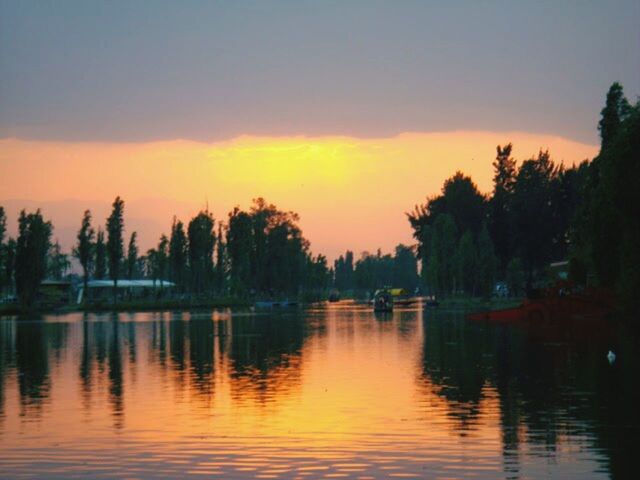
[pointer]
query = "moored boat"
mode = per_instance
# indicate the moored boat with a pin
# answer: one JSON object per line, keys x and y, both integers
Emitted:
{"x": 553, "y": 305}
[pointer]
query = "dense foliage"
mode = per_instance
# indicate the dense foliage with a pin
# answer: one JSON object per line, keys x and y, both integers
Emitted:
{"x": 606, "y": 234}
{"x": 540, "y": 212}
{"x": 376, "y": 271}
{"x": 34, "y": 240}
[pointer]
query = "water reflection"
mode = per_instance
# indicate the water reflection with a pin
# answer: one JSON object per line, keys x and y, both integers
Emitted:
{"x": 265, "y": 358}
{"x": 553, "y": 386}
{"x": 332, "y": 391}
{"x": 35, "y": 349}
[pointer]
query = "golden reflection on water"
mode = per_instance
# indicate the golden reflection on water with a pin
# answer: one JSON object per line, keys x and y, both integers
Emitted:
{"x": 328, "y": 392}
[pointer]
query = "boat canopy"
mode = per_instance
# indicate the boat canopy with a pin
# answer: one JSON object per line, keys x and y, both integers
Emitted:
{"x": 398, "y": 292}
{"x": 394, "y": 292}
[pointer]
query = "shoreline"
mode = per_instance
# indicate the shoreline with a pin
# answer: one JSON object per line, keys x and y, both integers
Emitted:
{"x": 128, "y": 306}
{"x": 465, "y": 303}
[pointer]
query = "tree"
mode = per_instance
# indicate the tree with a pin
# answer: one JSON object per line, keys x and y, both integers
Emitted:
{"x": 178, "y": 254}
{"x": 34, "y": 238}
{"x": 84, "y": 250}
{"x": 515, "y": 277}
{"x": 613, "y": 114}
{"x": 466, "y": 264}
{"x": 487, "y": 263}
{"x": 57, "y": 262}
{"x": 101, "y": 256}
{"x": 201, "y": 245}
{"x": 221, "y": 260}
{"x": 465, "y": 206}
{"x": 132, "y": 257}
{"x": 8, "y": 263}
{"x": 442, "y": 252}
{"x": 462, "y": 200}
{"x": 373, "y": 271}
{"x": 405, "y": 268}
{"x": 151, "y": 264}
{"x": 317, "y": 275}
{"x": 3, "y": 253}
{"x": 343, "y": 268}
{"x": 7, "y": 255}
{"x": 266, "y": 251}
{"x": 533, "y": 212}
{"x": 612, "y": 203}
{"x": 115, "y": 244}
{"x": 162, "y": 259}
{"x": 239, "y": 250}
{"x": 3, "y": 224}
{"x": 500, "y": 204}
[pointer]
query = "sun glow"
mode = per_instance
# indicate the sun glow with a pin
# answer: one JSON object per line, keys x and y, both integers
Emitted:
{"x": 283, "y": 163}
{"x": 350, "y": 192}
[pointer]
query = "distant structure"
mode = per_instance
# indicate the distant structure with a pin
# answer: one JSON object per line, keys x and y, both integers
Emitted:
{"x": 135, "y": 288}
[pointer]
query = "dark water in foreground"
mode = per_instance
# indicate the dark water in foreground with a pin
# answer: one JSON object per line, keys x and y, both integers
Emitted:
{"x": 331, "y": 392}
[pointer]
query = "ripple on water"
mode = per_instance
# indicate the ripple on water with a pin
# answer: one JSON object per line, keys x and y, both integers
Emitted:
{"x": 330, "y": 393}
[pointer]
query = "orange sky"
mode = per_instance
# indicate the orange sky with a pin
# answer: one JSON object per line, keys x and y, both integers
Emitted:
{"x": 351, "y": 193}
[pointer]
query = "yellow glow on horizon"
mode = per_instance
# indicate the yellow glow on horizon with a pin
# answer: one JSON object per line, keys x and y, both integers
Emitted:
{"x": 350, "y": 192}
{"x": 283, "y": 162}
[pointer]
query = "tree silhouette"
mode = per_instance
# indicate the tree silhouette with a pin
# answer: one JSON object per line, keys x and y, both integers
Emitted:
{"x": 31, "y": 255}
{"x": 84, "y": 249}
{"x": 132, "y": 257}
{"x": 101, "y": 256}
{"x": 115, "y": 244}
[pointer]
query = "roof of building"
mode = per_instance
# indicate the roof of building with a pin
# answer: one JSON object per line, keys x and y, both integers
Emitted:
{"x": 130, "y": 283}
{"x": 61, "y": 283}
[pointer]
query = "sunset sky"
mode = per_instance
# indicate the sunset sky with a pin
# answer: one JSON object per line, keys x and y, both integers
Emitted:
{"x": 347, "y": 112}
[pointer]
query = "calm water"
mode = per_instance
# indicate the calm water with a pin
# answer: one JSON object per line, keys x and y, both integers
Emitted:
{"x": 328, "y": 392}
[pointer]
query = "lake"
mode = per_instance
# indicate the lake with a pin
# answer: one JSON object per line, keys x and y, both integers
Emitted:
{"x": 332, "y": 391}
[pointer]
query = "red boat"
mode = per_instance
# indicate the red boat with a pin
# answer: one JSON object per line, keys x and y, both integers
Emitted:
{"x": 557, "y": 304}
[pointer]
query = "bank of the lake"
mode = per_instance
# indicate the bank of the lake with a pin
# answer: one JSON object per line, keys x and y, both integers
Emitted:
{"x": 141, "y": 305}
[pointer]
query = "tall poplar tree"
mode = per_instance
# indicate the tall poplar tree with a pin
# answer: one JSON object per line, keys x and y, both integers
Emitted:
{"x": 178, "y": 254}
{"x": 201, "y": 244}
{"x": 162, "y": 259}
{"x": 3, "y": 252}
{"x": 612, "y": 115}
{"x": 84, "y": 250}
{"x": 132, "y": 257}
{"x": 500, "y": 204}
{"x": 221, "y": 260}
{"x": 101, "y": 256}
{"x": 115, "y": 244}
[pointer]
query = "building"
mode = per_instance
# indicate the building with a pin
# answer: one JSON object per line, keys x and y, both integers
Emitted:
{"x": 103, "y": 289}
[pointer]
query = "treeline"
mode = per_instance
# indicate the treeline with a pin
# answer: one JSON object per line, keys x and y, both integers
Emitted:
{"x": 540, "y": 212}
{"x": 371, "y": 271}
{"x": 25, "y": 261}
{"x": 259, "y": 252}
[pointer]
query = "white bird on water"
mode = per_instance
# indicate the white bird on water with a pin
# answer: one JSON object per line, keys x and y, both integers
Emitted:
{"x": 611, "y": 357}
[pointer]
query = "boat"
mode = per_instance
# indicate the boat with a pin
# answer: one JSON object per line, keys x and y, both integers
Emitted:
{"x": 558, "y": 304}
{"x": 401, "y": 297}
{"x": 382, "y": 300}
{"x": 431, "y": 301}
